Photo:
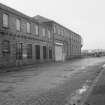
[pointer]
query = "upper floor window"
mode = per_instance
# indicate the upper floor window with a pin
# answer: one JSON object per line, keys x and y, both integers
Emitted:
{"x": 62, "y": 32}
{"x": 36, "y": 29}
{"x": 54, "y": 29}
{"x": 59, "y": 31}
{"x": 28, "y": 27}
{"x": 43, "y": 32}
{"x": 5, "y": 20}
{"x": 49, "y": 33}
{"x": 17, "y": 24}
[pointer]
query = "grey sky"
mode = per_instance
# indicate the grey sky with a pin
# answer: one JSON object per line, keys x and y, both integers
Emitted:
{"x": 86, "y": 17}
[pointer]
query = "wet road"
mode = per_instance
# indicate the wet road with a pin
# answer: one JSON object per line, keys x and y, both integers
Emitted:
{"x": 54, "y": 84}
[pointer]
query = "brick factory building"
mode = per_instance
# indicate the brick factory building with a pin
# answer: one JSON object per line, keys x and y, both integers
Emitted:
{"x": 66, "y": 43}
{"x": 29, "y": 40}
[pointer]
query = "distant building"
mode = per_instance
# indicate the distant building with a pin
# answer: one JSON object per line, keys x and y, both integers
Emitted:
{"x": 28, "y": 40}
{"x": 93, "y": 53}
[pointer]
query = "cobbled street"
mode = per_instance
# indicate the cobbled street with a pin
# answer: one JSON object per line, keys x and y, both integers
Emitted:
{"x": 52, "y": 84}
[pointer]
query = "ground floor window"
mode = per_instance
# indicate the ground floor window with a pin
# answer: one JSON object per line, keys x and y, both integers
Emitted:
{"x": 19, "y": 50}
{"x": 44, "y": 52}
{"x": 50, "y": 53}
{"x": 5, "y": 47}
{"x": 37, "y": 50}
{"x": 29, "y": 51}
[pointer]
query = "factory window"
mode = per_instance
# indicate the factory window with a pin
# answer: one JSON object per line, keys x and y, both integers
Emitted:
{"x": 19, "y": 50}
{"x": 44, "y": 52}
{"x": 5, "y": 20}
{"x": 54, "y": 29}
{"x": 36, "y": 29}
{"x": 62, "y": 32}
{"x": 5, "y": 47}
{"x": 50, "y": 53}
{"x": 37, "y": 49}
{"x": 43, "y": 32}
{"x": 28, "y": 27}
{"x": 59, "y": 31}
{"x": 29, "y": 51}
{"x": 49, "y": 34}
{"x": 17, "y": 24}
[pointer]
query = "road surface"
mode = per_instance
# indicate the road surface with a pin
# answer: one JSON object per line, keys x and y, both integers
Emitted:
{"x": 55, "y": 84}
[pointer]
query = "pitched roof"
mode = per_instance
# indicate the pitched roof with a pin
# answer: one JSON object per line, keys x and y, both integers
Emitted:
{"x": 41, "y": 19}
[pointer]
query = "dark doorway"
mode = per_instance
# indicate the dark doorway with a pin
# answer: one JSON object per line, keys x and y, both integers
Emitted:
{"x": 50, "y": 53}
{"x": 19, "y": 51}
{"x": 37, "y": 49}
{"x": 29, "y": 51}
{"x": 44, "y": 52}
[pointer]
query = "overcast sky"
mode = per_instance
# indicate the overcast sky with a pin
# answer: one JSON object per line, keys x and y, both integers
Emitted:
{"x": 85, "y": 17}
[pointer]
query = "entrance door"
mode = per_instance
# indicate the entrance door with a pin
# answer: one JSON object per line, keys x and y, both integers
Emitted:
{"x": 58, "y": 53}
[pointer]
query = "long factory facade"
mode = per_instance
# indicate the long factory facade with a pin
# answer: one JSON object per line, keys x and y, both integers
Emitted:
{"x": 28, "y": 40}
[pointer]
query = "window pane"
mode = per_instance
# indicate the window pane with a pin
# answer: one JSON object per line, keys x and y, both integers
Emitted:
{"x": 28, "y": 27}
{"x": 18, "y": 24}
{"x": 59, "y": 31}
{"x": 5, "y": 20}
{"x": 49, "y": 34}
{"x": 5, "y": 47}
{"x": 43, "y": 31}
{"x": 54, "y": 29}
{"x": 62, "y": 32}
{"x": 36, "y": 29}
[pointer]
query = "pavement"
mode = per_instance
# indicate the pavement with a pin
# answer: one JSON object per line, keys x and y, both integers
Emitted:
{"x": 97, "y": 93}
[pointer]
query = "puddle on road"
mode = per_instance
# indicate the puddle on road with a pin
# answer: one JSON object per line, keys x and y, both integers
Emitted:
{"x": 83, "y": 67}
{"x": 82, "y": 90}
{"x": 7, "y": 89}
{"x": 103, "y": 66}
{"x": 78, "y": 95}
{"x": 75, "y": 68}
{"x": 69, "y": 69}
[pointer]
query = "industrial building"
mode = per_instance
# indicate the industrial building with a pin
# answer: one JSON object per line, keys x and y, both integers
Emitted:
{"x": 67, "y": 44}
{"x": 29, "y": 40}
